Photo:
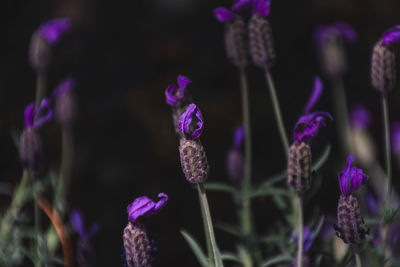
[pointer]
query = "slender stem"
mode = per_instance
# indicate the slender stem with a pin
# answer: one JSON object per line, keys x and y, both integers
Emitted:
{"x": 35, "y": 193}
{"x": 210, "y": 228}
{"x": 40, "y": 87}
{"x": 277, "y": 112}
{"x": 246, "y": 206}
{"x": 386, "y": 127}
{"x": 208, "y": 240}
{"x": 300, "y": 232}
{"x": 357, "y": 256}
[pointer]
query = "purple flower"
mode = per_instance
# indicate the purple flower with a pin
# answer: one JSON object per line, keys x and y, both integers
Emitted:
{"x": 360, "y": 117}
{"x": 185, "y": 122}
{"x": 308, "y": 125}
{"x": 143, "y": 206}
{"x": 36, "y": 118}
{"x": 372, "y": 205}
{"x": 315, "y": 95}
{"x": 351, "y": 178}
{"x": 64, "y": 102}
{"x": 391, "y": 35}
{"x": 341, "y": 29}
{"x": 261, "y": 7}
{"x": 395, "y": 133}
{"x": 54, "y": 29}
{"x": 308, "y": 238}
{"x": 240, "y": 5}
{"x": 175, "y": 94}
{"x": 238, "y": 137}
{"x": 223, "y": 14}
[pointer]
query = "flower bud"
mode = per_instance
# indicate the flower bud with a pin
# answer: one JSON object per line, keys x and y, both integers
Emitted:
{"x": 137, "y": 246}
{"x": 235, "y": 165}
{"x": 193, "y": 160}
{"x": 30, "y": 148}
{"x": 383, "y": 67}
{"x": 235, "y": 42}
{"x": 299, "y": 167}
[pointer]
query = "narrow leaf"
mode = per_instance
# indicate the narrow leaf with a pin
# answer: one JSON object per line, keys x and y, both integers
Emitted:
{"x": 277, "y": 259}
{"x": 222, "y": 188}
{"x": 194, "y": 245}
{"x": 323, "y": 158}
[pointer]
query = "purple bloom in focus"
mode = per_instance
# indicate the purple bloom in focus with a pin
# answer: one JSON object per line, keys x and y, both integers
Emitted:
{"x": 315, "y": 95}
{"x": 360, "y": 117}
{"x": 351, "y": 178}
{"x": 395, "y": 134}
{"x": 174, "y": 94}
{"x": 308, "y": 125}
{"x": 52, "y": 30}
{"x": 143, "y": 206}
{"x": 391, "y": 35}
{"x": 185, "y": 122}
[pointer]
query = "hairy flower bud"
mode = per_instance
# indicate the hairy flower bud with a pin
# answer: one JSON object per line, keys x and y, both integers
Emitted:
{"x": 193, "y": 160}
{"x": 299, "y": 167}
{"x": 261, "y": 42}
{"x": 350, "y": 226}
{"x": 30, "y": 148}
{"x": 137, "y": 246}
{"x": 235, "y": 42}
{"x": 383, "y": 67}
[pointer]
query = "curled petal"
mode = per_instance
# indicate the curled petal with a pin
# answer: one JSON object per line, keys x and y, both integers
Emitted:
{"x": 261, "y": 7}
{"x": 308, "y": 125}
{"x": 391, "y": 36}
{"x": 224, "y": 15}
{"x": 240, "y": 5}
{"x": 143, "y": 206}
{"x": 43, "y": 114}
{"x": 186, "y": 120}
{"x": 183, "y": 81}
{"x": 316, "y": 93}
{"x": 351, "y": 178}
{"x": 238, "y": 138}
{"x": 173, "y": 95}
{"x": 52, "y": 30}
{"x": 29, "y": 115}
{"x": 360, "y": 117}
{"x": 77, "y": 222}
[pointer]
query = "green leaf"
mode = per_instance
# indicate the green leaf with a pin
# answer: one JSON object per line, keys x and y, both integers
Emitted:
{"x": 280, "y": 202}
{"x": 222, "y": 188}
{"x": 323, "y": 158}
{"x": 230, "y": 229}
{"x": 277, "y": 259}
{"x": 229, "y": 256}
{"x": 274, "y": 179}
{"x": 194, "y": 245}
{"x": 272, "y": 191}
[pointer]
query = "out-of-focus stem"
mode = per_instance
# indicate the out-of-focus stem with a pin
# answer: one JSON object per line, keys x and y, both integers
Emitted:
{"x": 300, "y": 232}
{"x": 277, "y": 112}
{"x": 35, "y": 193}
{"x": 357, "y": 257}
{"x": 40, "y": 88}
{"x": 210, "y": 227}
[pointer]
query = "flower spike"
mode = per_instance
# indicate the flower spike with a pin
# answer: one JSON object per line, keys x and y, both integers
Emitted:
{"x": 143, "y": 206}
{"x": 351, "y": 178}
{"x": 315, "y": 95}
{"x": 308, "y": 125}
{"x": 391, "y": 36}
{"x": 186, "y": 120}
{"x": 173, "y": 94}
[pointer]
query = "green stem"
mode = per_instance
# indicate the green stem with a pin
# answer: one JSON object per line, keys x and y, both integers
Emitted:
{"x": 210, "y": 228}
{"x": 277, "y": 112}
{"x": 246, "y": 206}
{"x": 300, "y": 232}
{"x": 40, "y": 88}
{"x": 35, "y": 193}
{"x": 208, "y": 240}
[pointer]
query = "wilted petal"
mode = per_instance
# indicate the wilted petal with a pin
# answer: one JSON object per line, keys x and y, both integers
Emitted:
{"x": 224, "y": 15}
{"x": 308, "y": 125}
{"x": 186, "y": 120}
{"x": 391, "y": 36}
{"x": 315, "y": 95}
{"x": 143, "y": 206}
{"x": 52, "y": 30}
{"x": 351, "y": 178}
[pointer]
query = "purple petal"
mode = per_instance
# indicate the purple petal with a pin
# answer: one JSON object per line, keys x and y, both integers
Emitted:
{"x": 391, "y": 36}
{"x": 183, "y": 81}
{"x": 308, "y": 125}
{"x": 346, "y": 31}
{"x": 261, "y": 7}
{"x": 77, "y": 222}
{"x": 351, "y": 178}
{"x": 64, "y": 87}
{"x": 52, "y": 30}
{"x": 29, "y": 115}
{"x": 224, "y": 15}
{"x": 173, "y": 95}
{"x": 395, "y": 133}
{"x": 240, "y": 5}
{"x": 48, "y": 114}
{"x": 143, "y": 206}
{"x": 315, "y": 95}
{"x": 186, "y": 119}
{"x": 239, "y": 136}
{"x": 360, "y": 117}
{"x": 308, "y": 238}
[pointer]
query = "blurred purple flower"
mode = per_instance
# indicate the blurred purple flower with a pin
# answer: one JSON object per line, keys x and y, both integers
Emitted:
{"x": 186, "y": 119}
{"x": 175, "y": 94}
{"x": 234, "y": 161}
{"x": 391, "y": 35}
{"x": 223, "y": 14}
{"x": 372, "y": 205}
{"x": 64, "y": 102}
{"x": 351, "y": 178}
{"x": 308, "y": 238}
{"x": 315, "y": 95}
{"x": 143, "y": 206}
{"x": 360, "y": 117}
{"x": 308, "y": 125}
{"x": 54, "y": 29}
{"x": 261, "y": 7}
{"x": 238, "y": 136}
{"x": 36, "y": 118}
{"x": 240, "y": 5}
{"x": 395, "y": 133}
{"x": 327, "y": 230}
{"x": 341, "y": 29}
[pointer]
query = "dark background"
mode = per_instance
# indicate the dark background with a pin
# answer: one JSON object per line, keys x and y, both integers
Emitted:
{"x": 124, "y": 54}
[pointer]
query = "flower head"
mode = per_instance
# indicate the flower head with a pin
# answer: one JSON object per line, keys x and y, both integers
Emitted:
{"x": 186, "y": 126}
{"x": 173, "y": 94}
{"x": 54, "y": 29}
{"x": 143, "y": 206}
{"x": 36, "y": 118}
{"x": 351, "y": 178}
{"x": 308, "y": 125}
{"x": 64, "y": 102}
{"x": 395, "y": 133}
{"x": 360, "y": 117}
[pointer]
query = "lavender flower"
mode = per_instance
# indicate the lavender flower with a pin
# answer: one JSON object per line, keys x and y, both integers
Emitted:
{"x": 136, "y": 243}
{"x": 350, "y": 226}
{"x": 383, "y": 66}
{"x": 235, "y": 164}
{"x": 30, "y": 144}
{"x": 235, "y": 31}
{"x": 330, "y": 41}
{"x": 193, "y": 158}
{"x": 395, "y": 134}
{"x": 260, "y": 35}
{"x": 360, "y": 117}
{"x": 85, "y": 253}
{"x": 308, "y": 238}
{"x": 45, "y": 36}
{"x": 178, "y": 99}
{"x": 64, "y": 100}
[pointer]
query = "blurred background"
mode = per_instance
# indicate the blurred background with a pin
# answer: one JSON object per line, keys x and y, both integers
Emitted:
{"x": 124, "y": 54}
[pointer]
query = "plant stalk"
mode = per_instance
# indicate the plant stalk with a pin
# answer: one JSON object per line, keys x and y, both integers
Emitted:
{"x": 40, "y": 88}
{"x": 300, "y": 232}
{"x": 208, "y": 240}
